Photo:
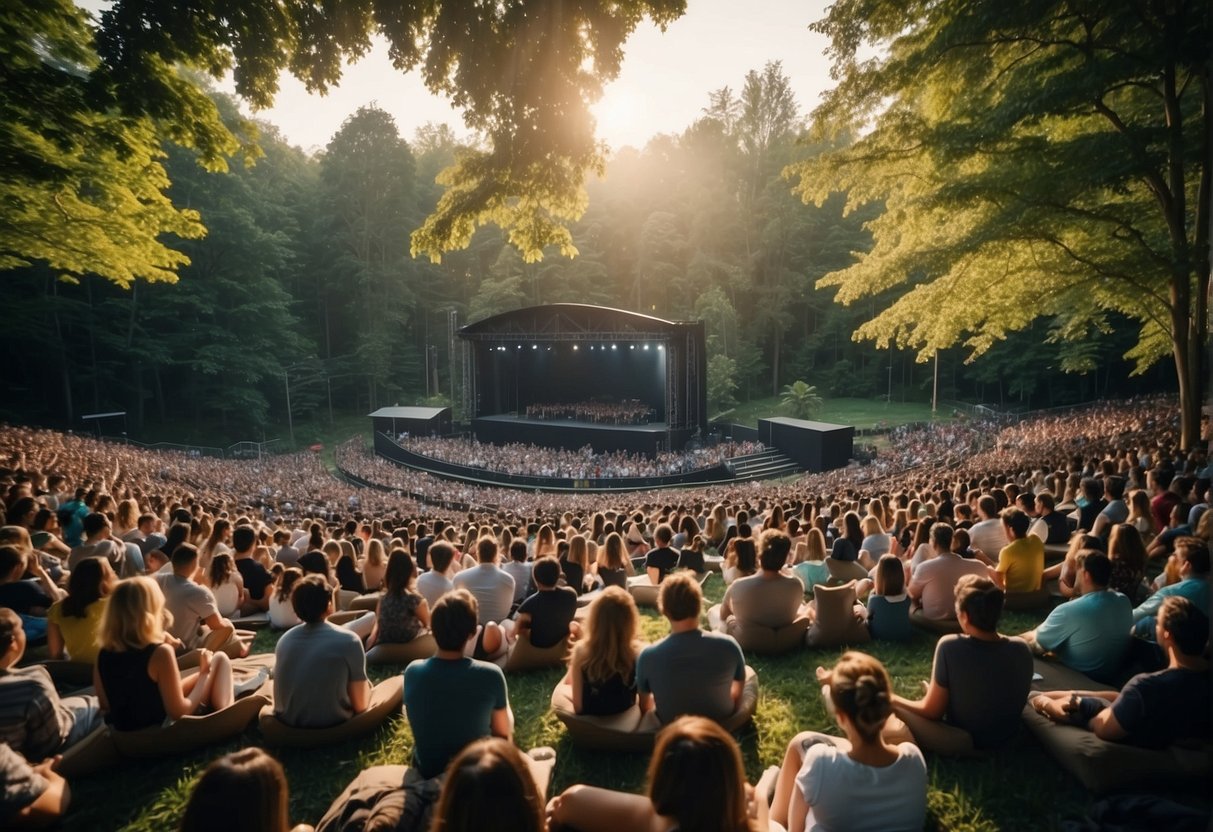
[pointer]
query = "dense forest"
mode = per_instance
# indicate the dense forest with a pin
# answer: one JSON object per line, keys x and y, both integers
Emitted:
{"x": 304, "y": 279}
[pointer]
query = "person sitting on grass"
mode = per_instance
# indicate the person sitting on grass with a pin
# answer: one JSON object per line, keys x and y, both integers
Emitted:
{"x": 1021, "y": 562}
{"x": 256, "y": 576}
{"x": 192, "y": 606}
{"x": 1090, "y": 633}
{"x": 518, "y": 569}
{"x": 437, "y": 581}
{"x": 771, "y": 598}
{"x": 1192, "y": 565}
{"x": 689, "y": 671}
{"x": 1153, "y": 709}
{"x": 602, "y": 667}
{"x": 136, "y": 675}
{"x": 34, "y": 796}
{"x": 547, "y": 616}
{"x": 933, "y": 584}
{"x": 244, "y": 790}
{"x": 75, "y": 621}
{"x": 489, "y": 786}
{"x": 979, "y": 679}
{"x": 696, "y": 782}
{"x": 494, "y": 592}
{"x": 34, "y": 720}
{"x": 401, "y": 614}
{"x": 319, "y": 669}
{"x": 862, "y": 782}
{"x": 451, "y": 700}
{"x": 888, "y": 604}
{"x": 661, "y": 559}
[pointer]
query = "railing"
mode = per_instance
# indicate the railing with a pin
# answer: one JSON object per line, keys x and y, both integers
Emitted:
{"x": 245, "y": 449}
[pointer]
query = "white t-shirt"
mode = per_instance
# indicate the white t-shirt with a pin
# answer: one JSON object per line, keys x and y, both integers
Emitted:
{"x": 845, "y": 795}
{"x": 494, "y": 590}
{"x": 432, "y": 586}
{"x": 988, "y": 536}
{"x": 282, "y": 614}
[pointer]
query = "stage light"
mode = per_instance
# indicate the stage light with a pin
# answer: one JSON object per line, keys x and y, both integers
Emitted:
{"x": 614, "y": 346}
{"x": 534, "y": 346}
{"x": 646, "y": 346}
{"x": 661, "y": 346}
{"x": 632, "y": 347}
{"x": 575, "y": 348}
{"x": 520, "y": 346}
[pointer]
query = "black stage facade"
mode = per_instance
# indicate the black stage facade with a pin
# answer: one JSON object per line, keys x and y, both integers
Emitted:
{"x": 576, "y": 354}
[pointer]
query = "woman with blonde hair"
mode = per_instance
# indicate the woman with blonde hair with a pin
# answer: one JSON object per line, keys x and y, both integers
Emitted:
{"x": 602, "y": 667}
{"x": 696, "y": 782}
{"x": 576, "y": 564}
{"x": 1140, "y": 516}
{"x": 859, "y": 783}
{"x": 374, "y": 565}
{"x": 614, "y": 566}
{"x": 136, "y": 674}
{"x": 545, "y": 542}
{"x": 809, "y": 560}
{"x": 126, "y": 518}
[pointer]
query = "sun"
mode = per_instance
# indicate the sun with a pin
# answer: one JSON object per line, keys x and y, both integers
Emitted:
{"x": 618, "y": 118}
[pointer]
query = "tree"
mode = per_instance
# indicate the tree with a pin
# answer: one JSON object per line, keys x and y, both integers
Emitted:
{"x": 524, "y": 75}
{"x": 83, "y": 188}
{"x": 722, "y": 382}
{"x": 801, "y": 399}
{"x": 1047, "y": 158}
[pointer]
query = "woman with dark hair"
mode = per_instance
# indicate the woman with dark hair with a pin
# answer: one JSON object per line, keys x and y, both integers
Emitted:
{"x": 846, "y": 546}
{"x": 402, "y": 614}
{"x": 74, "y": 622}
{"x": 696, "y": 782}
{"x": 244, "y": 791}
{"x": 226, "y": 583}
{"x": 348, "y": 576}
{"x": 178, "y": 533}
{"x": 741, "y": 559}
{"x": 489, "y": 786}
{"x": 1128, "y": 555}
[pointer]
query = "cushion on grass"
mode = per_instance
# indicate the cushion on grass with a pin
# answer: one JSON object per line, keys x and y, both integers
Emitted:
{"x": 386, "y": 699}
{"x": 644, "y": 594}
{"x": 254, "y": 621}
{"x": 835, "y": 622}
{"x": 845, "y": 570}
{"x": 769, "y": 641}
{"x": 937, "y": 737}
{"x": 1027, "y": 600}
{"x": 421, "y": 647}
{"x": 190, "y": 732}
{"x": 525, "y": 656}
{"x": 366, "y": 603}
{"x": 96, "y": 752}
{"x": 344, "y": 598}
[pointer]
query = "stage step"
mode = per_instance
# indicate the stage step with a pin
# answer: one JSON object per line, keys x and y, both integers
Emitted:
{"x": 763, "y": 465}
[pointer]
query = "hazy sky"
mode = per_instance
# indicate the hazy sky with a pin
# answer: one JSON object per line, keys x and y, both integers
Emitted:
{"x": 662, "y": 87}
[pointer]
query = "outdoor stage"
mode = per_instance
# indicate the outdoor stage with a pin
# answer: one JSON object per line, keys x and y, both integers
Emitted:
{"x": 570, "y": 434}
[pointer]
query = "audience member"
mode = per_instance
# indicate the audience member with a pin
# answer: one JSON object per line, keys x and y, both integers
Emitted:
{"x": 547, "y": 616}
{"x": 602, "y": 667}
{"x": 244, "y": 791}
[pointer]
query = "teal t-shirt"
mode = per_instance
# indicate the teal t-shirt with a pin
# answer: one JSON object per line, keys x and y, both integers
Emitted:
{"x": 811, "y": 573}
{"x": 449, "y": 704}
{"x": 1090, "y": 633}
{"x": 889, "y": 618}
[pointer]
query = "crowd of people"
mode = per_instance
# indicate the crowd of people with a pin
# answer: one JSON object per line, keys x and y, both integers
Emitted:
{"x": 582, "y": 464}
{"x": 625, "y": 412}
{"x": 133, "y": 561}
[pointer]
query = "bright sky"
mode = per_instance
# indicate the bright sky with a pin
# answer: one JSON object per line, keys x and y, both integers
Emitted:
{"x": 662, "y": 88}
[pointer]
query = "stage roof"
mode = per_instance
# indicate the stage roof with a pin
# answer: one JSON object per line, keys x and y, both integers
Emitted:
{"x": 569, "y": 321}
{"x": 804, "y": 423}
{"x": 406, "y": 412}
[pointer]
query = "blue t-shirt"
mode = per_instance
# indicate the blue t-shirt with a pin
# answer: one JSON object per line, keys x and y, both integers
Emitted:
{"x": 691, "y": 673}
{"x": 1090, "y": 633}
{"x": 1156, "y": 709}
{"x": 1195, "y": 589}
{"x": 450, "y": 703}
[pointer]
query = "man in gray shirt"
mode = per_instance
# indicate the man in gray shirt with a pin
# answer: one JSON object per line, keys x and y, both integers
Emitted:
{"x": 437, "y": 582}
{"x": 493, "y": 588}
{"x": 689, "y": 671}
{"x": 319, "y": 669}
{"x": 193, "y": 605}
{"x": 770, "y": 598}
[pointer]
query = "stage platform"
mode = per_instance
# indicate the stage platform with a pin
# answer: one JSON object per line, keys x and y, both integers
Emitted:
{"x": 649, "y": 438}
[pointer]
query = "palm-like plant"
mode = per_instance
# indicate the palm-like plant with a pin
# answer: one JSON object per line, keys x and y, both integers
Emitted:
{"x": 801, "y": 399}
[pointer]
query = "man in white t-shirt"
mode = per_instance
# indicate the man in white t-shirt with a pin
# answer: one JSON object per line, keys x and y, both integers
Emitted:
{"x": 988, "y": 536}
{"x": 493, "y": 588}
{"x": 933, "y": 584}
{"x": 437, "y": 581}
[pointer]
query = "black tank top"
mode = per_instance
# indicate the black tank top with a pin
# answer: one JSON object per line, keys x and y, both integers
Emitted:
{"x": 613, "y": 696}
{"x": 134, "y": 699}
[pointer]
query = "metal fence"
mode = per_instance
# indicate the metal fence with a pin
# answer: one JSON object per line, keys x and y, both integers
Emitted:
{"x": 245, "y": 449}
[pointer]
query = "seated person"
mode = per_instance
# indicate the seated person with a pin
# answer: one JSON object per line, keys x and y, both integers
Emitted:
{"x": 1021, "y": 562}
{"x": 250, "y": 780}
{"x": 696, "y": 782}
{"x": 34, "y": 797}
{"x": 320, "y": 669}
{"x": 449, "y": 699}
{"x": 859, "y": 783}
{"x": 1050, "y": 525}
{"x": 31, "y": 600}
{"x": 1192, "y": 561}
{"x": 769, "y": 598}
{"x": 888, "y": 608}
{"x": 1089, "y": 633}
{"x": 191, "y": 606}
{"x": 1153, "y": 709}
{"x": 740, "y": 559}
{"x": 547, "y": 616}
{"x": 932, "y": 586}
{"x": 489, "y": 766}
{"x": 437, "y": 581}
{"x": 75, "y": 621}
{"x": 494, "y": 593}
{"x": 661, "y": 559}
{"x": 99, "y": 543}
{"x": 689, "y": 671}
{"x": 979, "y": 679}
{"x": 138, "y": 682}
{"x": 34, "y": 721}
{"x": 602, "y": 666}
{"x": 401, "y": 614}
{"x": 256, "y": 576}
{"x": 518, "y": 569}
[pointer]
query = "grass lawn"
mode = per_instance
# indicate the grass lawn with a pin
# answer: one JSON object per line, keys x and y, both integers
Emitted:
{"x": 1020, "y": 788}
{"x": 860, "y": 413}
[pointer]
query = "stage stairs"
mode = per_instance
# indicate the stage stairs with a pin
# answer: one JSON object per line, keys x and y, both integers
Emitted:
{"x": 763, "y": 465}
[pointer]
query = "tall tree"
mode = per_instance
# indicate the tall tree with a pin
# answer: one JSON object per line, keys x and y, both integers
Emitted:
{"x": 1049, "y": 157}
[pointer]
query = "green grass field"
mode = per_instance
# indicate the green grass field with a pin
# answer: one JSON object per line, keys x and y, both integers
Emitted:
{"x": 1019, "y": 788}
{"x": 860, "y": 413}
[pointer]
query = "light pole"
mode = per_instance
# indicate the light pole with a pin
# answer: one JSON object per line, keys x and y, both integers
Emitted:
{"x": 290, "y": 422}
{"x": 890, "y": 397}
